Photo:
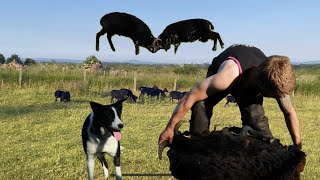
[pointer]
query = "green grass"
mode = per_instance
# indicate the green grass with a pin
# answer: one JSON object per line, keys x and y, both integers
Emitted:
{"x": 74, "y": 78}
{"x": 41, "y": 139}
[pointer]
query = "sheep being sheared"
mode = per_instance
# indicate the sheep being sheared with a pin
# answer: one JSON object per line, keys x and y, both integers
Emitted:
{"x": 225, "y": 154}
{"x": 130, "y": 26}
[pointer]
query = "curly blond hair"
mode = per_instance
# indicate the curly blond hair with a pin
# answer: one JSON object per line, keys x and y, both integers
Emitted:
{"x": 278, "y": 75}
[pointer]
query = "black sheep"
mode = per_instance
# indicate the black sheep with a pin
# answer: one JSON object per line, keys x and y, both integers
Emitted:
{"x": 226, "y": 155}
{"x": 189, "y": 31}
{"x": 152, "y": 92}
{"x": 63, "y": 95}
{"x": 156, "y": 92}
{"x": 144, "y": 90}
{"x": 57, "y": 94}
{"x": 130, "y": 26}
{"x": 176, "y": 95}
{"x": 122, "y": 94}
{"x": 230, "y": 99}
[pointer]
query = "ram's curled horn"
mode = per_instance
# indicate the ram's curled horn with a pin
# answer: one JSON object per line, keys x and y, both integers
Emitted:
{"x": 165, "y": 144}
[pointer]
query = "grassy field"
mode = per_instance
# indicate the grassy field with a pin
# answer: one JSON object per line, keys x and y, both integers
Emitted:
{"x": 42, "y": 138}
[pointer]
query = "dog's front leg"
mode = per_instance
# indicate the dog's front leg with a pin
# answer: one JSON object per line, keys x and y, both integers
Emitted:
{"x": 104, "y": 166}
{"x": 118, "y": 168}
{"x": 90, "y": 165}
{"x": 116, "y": 161}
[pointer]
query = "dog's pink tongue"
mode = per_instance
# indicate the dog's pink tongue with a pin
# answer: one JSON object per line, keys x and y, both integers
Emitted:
{"x": 117, "y": 135}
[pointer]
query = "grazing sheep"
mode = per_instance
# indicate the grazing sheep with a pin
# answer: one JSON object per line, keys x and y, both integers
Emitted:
{"x": 144, "y": 90}
{"x": 189, "y": 31}
{"x": 225, "y": 154}
{"x": 57, "y": 94}
{"x": 129, "y": 94}
{"x": 130, "y": 26}
{"x": 123, "y": 94}
{"x": 156, "y": 92}
{"x": 230, "y": 99}
{"x": 152, "y": 92}
{"x": 176, "y": 95}
{"x": 63, "y": 95}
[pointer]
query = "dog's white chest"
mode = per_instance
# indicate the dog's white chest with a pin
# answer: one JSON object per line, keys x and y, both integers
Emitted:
{"x": 109, "y": 146}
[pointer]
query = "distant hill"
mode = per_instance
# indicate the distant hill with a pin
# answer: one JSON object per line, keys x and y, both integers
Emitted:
{"x": 140, "y": 62}
{"x": 306, "y": 62}
{"x": 81, "y": 61}
{"x": 133, "y": 61}
{"x": 58, "y": 60}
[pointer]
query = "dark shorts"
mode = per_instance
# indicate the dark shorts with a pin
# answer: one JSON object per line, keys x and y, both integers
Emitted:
{"x": 252, "y": 114}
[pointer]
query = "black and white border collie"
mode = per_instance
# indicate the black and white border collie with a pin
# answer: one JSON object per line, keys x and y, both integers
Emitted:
{"x": 101, "y": 135}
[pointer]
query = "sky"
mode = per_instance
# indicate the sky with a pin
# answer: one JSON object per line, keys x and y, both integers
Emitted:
{"x": 66, "y": 29}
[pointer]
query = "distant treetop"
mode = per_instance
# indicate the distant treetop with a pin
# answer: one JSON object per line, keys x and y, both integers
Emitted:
{"x": 90, "y": 61}
{"x": 14, "y": 57}
{"x": 29, "y": 61}
{"x": 2, "y": 59}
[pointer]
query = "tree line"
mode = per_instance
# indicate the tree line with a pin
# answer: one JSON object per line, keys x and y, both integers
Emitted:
{"x": 93, "y": 61}
{"x": 28, "y": 61}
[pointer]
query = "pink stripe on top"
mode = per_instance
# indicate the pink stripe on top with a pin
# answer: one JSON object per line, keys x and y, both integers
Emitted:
{"x": 238, "y": 63}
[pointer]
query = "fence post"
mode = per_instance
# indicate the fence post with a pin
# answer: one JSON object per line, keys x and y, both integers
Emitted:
{"x": 20, "y": 78}
{"x": 85, "y": 76}
{"x": 175, "y": 83}
{"x": 134, "y": 81}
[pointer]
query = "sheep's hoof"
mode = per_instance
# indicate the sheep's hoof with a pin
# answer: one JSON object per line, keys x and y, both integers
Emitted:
{"x": 214, "y": 48}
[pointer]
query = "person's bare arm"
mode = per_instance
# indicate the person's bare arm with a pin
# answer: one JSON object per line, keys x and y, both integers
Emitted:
{"x": 291, "y": 119}
{"x": 227, "y": 72}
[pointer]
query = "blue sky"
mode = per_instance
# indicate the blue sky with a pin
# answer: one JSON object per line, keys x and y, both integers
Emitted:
{"x": 67, "y": 28}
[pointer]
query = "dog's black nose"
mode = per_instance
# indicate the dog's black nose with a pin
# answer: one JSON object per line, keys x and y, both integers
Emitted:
{"x": 120, "y": 126}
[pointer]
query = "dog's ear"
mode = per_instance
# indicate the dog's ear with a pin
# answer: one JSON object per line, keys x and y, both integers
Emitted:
{"x": 96, "y": 106}
{"x": 118, "y": 104}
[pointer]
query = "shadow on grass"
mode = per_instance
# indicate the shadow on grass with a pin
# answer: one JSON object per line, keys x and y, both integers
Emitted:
{"x": 18, "y": 110}
{"x": 21, "y": 110}
{"x": 143, "y": 174}
{"x": 15, "y": 109}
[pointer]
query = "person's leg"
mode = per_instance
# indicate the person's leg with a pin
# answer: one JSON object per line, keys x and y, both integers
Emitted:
{"x": 202, "y": 113}
{"x": 199, "y": 123}
{"x": 252, "y": 114}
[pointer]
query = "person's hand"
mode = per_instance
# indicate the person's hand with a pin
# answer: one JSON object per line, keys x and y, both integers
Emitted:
{"x": 167, "y": 134}
{"x": 295, "y": 147}
{"x": 165, "y": 139}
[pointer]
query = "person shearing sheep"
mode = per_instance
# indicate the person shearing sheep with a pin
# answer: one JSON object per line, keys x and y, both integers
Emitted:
{"x": 248, "y": 75}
